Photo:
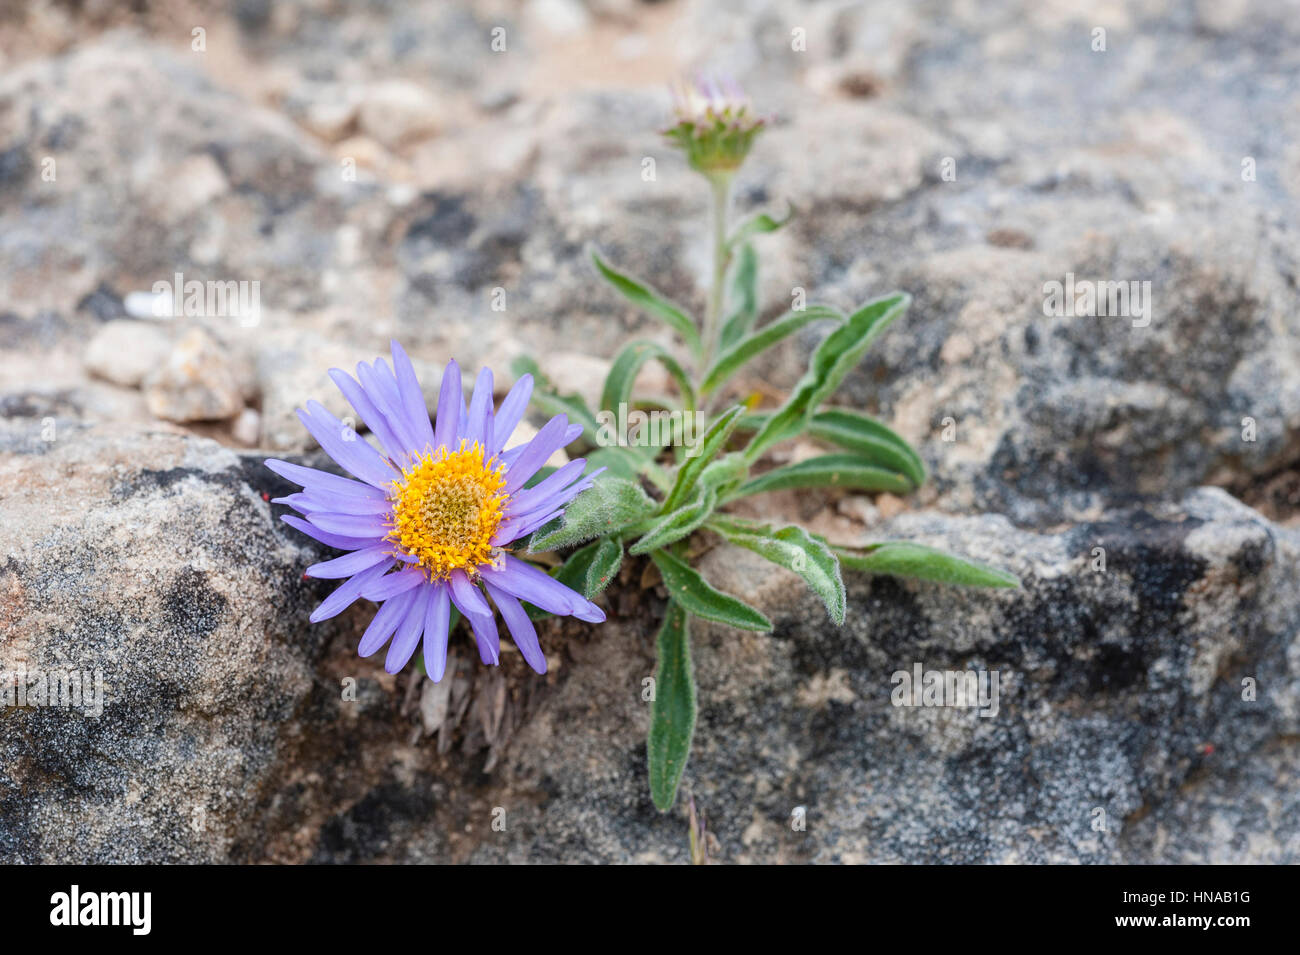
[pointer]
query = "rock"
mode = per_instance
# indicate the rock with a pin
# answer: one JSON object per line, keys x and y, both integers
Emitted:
{"x": 195, "y": 382}
{"x": 125, "y": 352}
{"x": 397, "y": 112}
{"x": 247, "y": 427}
{"x": 150, "y": 562}
{"x": 1120, "y": 690}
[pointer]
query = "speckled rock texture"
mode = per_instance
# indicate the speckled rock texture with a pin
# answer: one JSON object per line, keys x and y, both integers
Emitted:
{"x": 381, "y": 171}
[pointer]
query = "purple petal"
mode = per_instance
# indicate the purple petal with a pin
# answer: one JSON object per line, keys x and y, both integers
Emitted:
{"x": 450, "y": 397}
{"x": 312, "y": 478}
{"x": 510, "y": 413}
{"x": 532, "y": 498}
{"x": 370, "y": 413}
{"x": 382, "y": 392}
{"x": 476, "y": 427}
{"x": 436, "y": 618}
{"x": 387, "y": 617}
{"x": 485, "y": 635}
{"x": 399, "y": 583}
{"x": 350, "y": 525}
{"x": 352, "y": 563}
{"x": 521, "y": 628}
{"x": 467, "y": 597}
{"x": 517, "y": 527}
{"x": 540, "y": 589}
{"x": 412, "y": 395}
{"x": 545, "y": 443}
{"x": 355, "y": 455}
{"x": 340, "y": 541}
{"x": 315, "y": 500}
{"x": 408, "y": 632}
{"x": 345, "y": 594}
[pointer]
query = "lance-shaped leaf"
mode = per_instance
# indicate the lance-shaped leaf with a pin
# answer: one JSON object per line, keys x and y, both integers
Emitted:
{"x": 590, "y": 569}
{"x": 906, "y": 559}
{"x": 744, "y": 350}
{"x": 758, "y": 224}
{"x": 550, "y": 401}
{"x": 727, "y": 472}
{"x": 628, "y": 362}
{"x": 834, "y": 358}
{"x": 742, "y": 293}
{"x": 796, "y": 550}
{"x": 700, "y": 456}
{"x": 828, "y": 470}
{"x": 672, "y": 712}
{"x": 646, "y": 298}
{"x": 697, "y": 596}
{"x": 607, "y": 507}
{"x": 619, "y": 462}
{"x": 868, "y": 438}
{"x": 676, "y": 524}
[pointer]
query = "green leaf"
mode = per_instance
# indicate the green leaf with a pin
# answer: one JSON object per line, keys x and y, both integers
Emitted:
{"x": 699, "y": 597}
{"x": 608, "y": 506}
{"x": 628, "y": 362}
{"x": 869, "y": 439}
{"x": 678, "y": 523}
{"x": 834, "y": 358}
{"x": 726, "y": 471}
{"x": 796, "y": 550}
{"x": 744, "y": 350}
{"x": 590, "y": 569}
{"x": 646, "y": 298}
{"x": 828, "y": 470}
{"x": 714, "y": 440}
{"x": 619, "y": 462}
{"x": 604, "y": 566}
{"x": 758, "y": 224}
{"x": 550, "y": 401}
{"x": 742, "y": 289}
{"x": 672, "y": 713}
{"x": 905, "y": 559}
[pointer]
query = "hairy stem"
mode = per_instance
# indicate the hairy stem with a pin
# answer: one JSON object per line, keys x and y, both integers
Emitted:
{"x": 721, "y": 184}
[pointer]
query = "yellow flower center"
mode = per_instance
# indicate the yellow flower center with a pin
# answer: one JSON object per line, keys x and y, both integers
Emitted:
{"x": 446, "y": 509}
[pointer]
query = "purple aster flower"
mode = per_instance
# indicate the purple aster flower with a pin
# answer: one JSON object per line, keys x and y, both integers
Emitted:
{"x": 428, "y": 524}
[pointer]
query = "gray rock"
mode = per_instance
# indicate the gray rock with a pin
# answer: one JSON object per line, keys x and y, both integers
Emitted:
{"x": 227, "y": 733}
{"x": 125, "y": 352}
{"x": 195, "y": 382}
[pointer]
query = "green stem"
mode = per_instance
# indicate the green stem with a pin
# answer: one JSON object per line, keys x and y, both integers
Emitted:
{"x": 721, "y": 183}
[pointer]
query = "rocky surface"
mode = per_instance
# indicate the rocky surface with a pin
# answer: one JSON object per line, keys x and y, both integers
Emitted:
{"x": 388, "y": 172}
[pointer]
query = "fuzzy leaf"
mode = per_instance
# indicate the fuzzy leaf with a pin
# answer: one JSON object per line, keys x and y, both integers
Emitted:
{"x": 726, "y": 471}
{"x": 834, "y": 358}
{"x": 870, "y": 439}
{"x": 608, "y": 506}
{"x": 714, "y": 440}
{"x": 745, "y": 349}
{"x": 672, "y": 714}
{"x": 796, "y": 550}
{"x": 590, "y": 569}
{"x": 742, "y": 290}
{"x": 676, "y": 524}
{"x": 699, "y": 597}
{"x": 628, "y": 362}
{"x": 646, "y": 298}
{"x": 828, "y": 470}
{"x": 619, "y": 462}
{"x": 905, "y": 559}
{"x": 549, "y": 400}
{"x": 758, "y": 224}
